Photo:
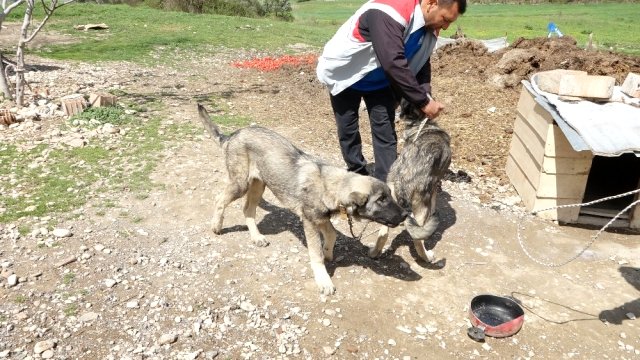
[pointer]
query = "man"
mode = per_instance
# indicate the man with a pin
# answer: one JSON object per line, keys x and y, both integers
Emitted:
{"x": 380, "y": 54}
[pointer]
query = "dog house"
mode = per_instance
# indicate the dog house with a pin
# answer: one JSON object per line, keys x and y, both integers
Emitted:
{"x": 547, "y": 170}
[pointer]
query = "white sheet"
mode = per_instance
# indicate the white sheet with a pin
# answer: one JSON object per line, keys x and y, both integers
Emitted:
{"x": 609, "y": 129}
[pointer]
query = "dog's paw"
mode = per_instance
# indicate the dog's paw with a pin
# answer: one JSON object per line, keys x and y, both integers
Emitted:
{"x": 217, "y": 228}
{"x": 424, "y": 254}
{"x": 260, "y": 241}
{"x": 323, "y": 280}
{"x": 430, "y": 256}
{"x": 327, "y": 289}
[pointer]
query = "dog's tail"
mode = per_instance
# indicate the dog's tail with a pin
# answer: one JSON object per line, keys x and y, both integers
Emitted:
{"x": 418, "y": 232}
{"x": 213, "y": 129}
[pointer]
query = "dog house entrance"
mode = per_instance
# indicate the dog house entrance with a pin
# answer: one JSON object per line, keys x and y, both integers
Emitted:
{"x": 611, "y": 176}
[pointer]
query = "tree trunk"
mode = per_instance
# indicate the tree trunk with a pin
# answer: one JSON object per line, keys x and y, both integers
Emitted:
{"x": 24, "y": 36}
{"x": 4, "y": 82}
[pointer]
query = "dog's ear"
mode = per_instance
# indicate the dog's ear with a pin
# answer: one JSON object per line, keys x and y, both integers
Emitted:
{"x": 355, "y": 200}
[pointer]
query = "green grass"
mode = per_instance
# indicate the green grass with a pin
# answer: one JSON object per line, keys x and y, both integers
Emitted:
{"x": 68, "y": 278}
{"x": 136, "y": 32}
{"x": 613, "y": 25}
{"x": 71, "y": 310}
{"x": 144, "y": 34}
{"x": 33, "y": 184}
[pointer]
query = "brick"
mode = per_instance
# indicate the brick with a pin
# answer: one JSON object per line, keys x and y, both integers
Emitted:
{"x": 73, "y": 104}
{"x": 102, "y": 99}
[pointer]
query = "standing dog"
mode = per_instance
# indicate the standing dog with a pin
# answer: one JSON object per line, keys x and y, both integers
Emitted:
{"x": 415, "y": 175}
{"x": 257, "y": 158}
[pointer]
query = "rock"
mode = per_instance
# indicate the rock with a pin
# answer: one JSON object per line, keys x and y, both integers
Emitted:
{"x": 42, "y": 346}
{"x": 62, "y": 233}
{"x": 167, "y": 339}
{"x": 12, "y": 280}
{"x": 88, "y": 317}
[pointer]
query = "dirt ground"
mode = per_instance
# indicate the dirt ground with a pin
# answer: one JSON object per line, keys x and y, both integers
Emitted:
{"x": 158, "y": 284}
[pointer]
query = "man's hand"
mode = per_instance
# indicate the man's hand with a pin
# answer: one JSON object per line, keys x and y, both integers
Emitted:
{"x": 433, "y": 109}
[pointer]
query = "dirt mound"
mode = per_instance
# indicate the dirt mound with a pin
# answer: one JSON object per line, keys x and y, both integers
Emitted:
{"x": 479, "y": 88}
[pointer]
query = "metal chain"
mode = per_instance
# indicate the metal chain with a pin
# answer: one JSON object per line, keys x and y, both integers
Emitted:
{"x": 350, "y": 221}
{"x": 593, "y": 239}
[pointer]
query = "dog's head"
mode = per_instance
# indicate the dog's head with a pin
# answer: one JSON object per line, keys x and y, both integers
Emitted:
{"x": 371, "y": 199}
{"x": 409, "y": 112}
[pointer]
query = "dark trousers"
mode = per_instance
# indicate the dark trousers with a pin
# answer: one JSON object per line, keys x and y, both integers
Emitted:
{"x": 381, "y": 109}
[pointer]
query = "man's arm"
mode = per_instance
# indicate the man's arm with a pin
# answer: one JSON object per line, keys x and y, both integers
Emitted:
{"x": 386, "y": 36}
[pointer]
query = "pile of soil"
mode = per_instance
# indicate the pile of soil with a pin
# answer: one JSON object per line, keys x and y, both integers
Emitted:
{"x": 481, "y": 90}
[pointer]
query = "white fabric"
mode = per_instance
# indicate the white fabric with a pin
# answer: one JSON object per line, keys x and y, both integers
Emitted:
{"x": 492, "y": 45}
{"x": 609, "y": 129}
{"x": 345, "y": 60}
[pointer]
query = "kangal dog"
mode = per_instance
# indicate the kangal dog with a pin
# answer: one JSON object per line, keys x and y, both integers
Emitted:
{"x": 414, "y": 177}
{"x": 256, "y": 158}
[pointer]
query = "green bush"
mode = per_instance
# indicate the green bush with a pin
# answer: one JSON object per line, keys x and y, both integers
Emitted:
{"x": 244, "y": 8}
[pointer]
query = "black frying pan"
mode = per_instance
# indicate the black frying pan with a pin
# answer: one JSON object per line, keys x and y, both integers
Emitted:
{"x": 494, "y": 316}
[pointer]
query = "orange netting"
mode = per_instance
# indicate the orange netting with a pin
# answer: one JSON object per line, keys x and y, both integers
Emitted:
{"x": 270, "y": 63}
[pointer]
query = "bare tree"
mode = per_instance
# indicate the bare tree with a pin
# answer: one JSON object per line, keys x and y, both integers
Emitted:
{"x": 7, "y": 6}
{"x": 27, "y": 33}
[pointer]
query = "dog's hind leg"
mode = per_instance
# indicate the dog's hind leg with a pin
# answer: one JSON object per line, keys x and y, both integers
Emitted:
{"x": 231, "y": 192}
{"x": 316, "y": 258}
{"x": 426, "y": 225}
{"x": 329, "y": 239}
{"x": 254, "y": 195}
{"x": 383, "y": 235}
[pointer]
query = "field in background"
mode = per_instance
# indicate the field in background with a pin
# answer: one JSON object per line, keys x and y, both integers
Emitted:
{"x": 135, "y": 32}
{"x": 614, "y": 25}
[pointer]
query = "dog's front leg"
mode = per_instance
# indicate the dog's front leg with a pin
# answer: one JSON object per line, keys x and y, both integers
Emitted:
{"x": 329, "y": 240}
{"x": 383, "y": 235}
{"x": 316, "y": 258}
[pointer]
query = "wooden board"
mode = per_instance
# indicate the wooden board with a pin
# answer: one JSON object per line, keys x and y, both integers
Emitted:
{"x": 565, "y": 215}
{"x": 523, "y": 187}
{"x": 549, "y": 81}
{"x": 536, "y": 116}
{"x": 634, "y": 221}
{"x": 561, "y": 186}
{"x": 631, "y": 85}
{"x": 587, "y": 86}
{"x": 561, "y": 165}
{"x": 557, "y": 145}
{"x": 529, "y": 138}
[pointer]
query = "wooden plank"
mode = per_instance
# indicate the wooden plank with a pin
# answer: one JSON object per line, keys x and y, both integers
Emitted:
{"x": 561, "y": 165}
{"x": 534, "y": 114}
{"x": 631, "y": 85}
{"x": 587, "y": 86}
{"x": 525, "y": 160}
{"x": 525, "y": 189}
{"x": 557, "y": 145}
{"x": 561, "y": 186}
{"x": 549, "y": 81}
{"x": 601, "y": 221}
{"x": 634, "y": 221}
{"x": 565, "y": 215}
{"x": 608, "y": 213}
{"x": 532, "y": 142}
